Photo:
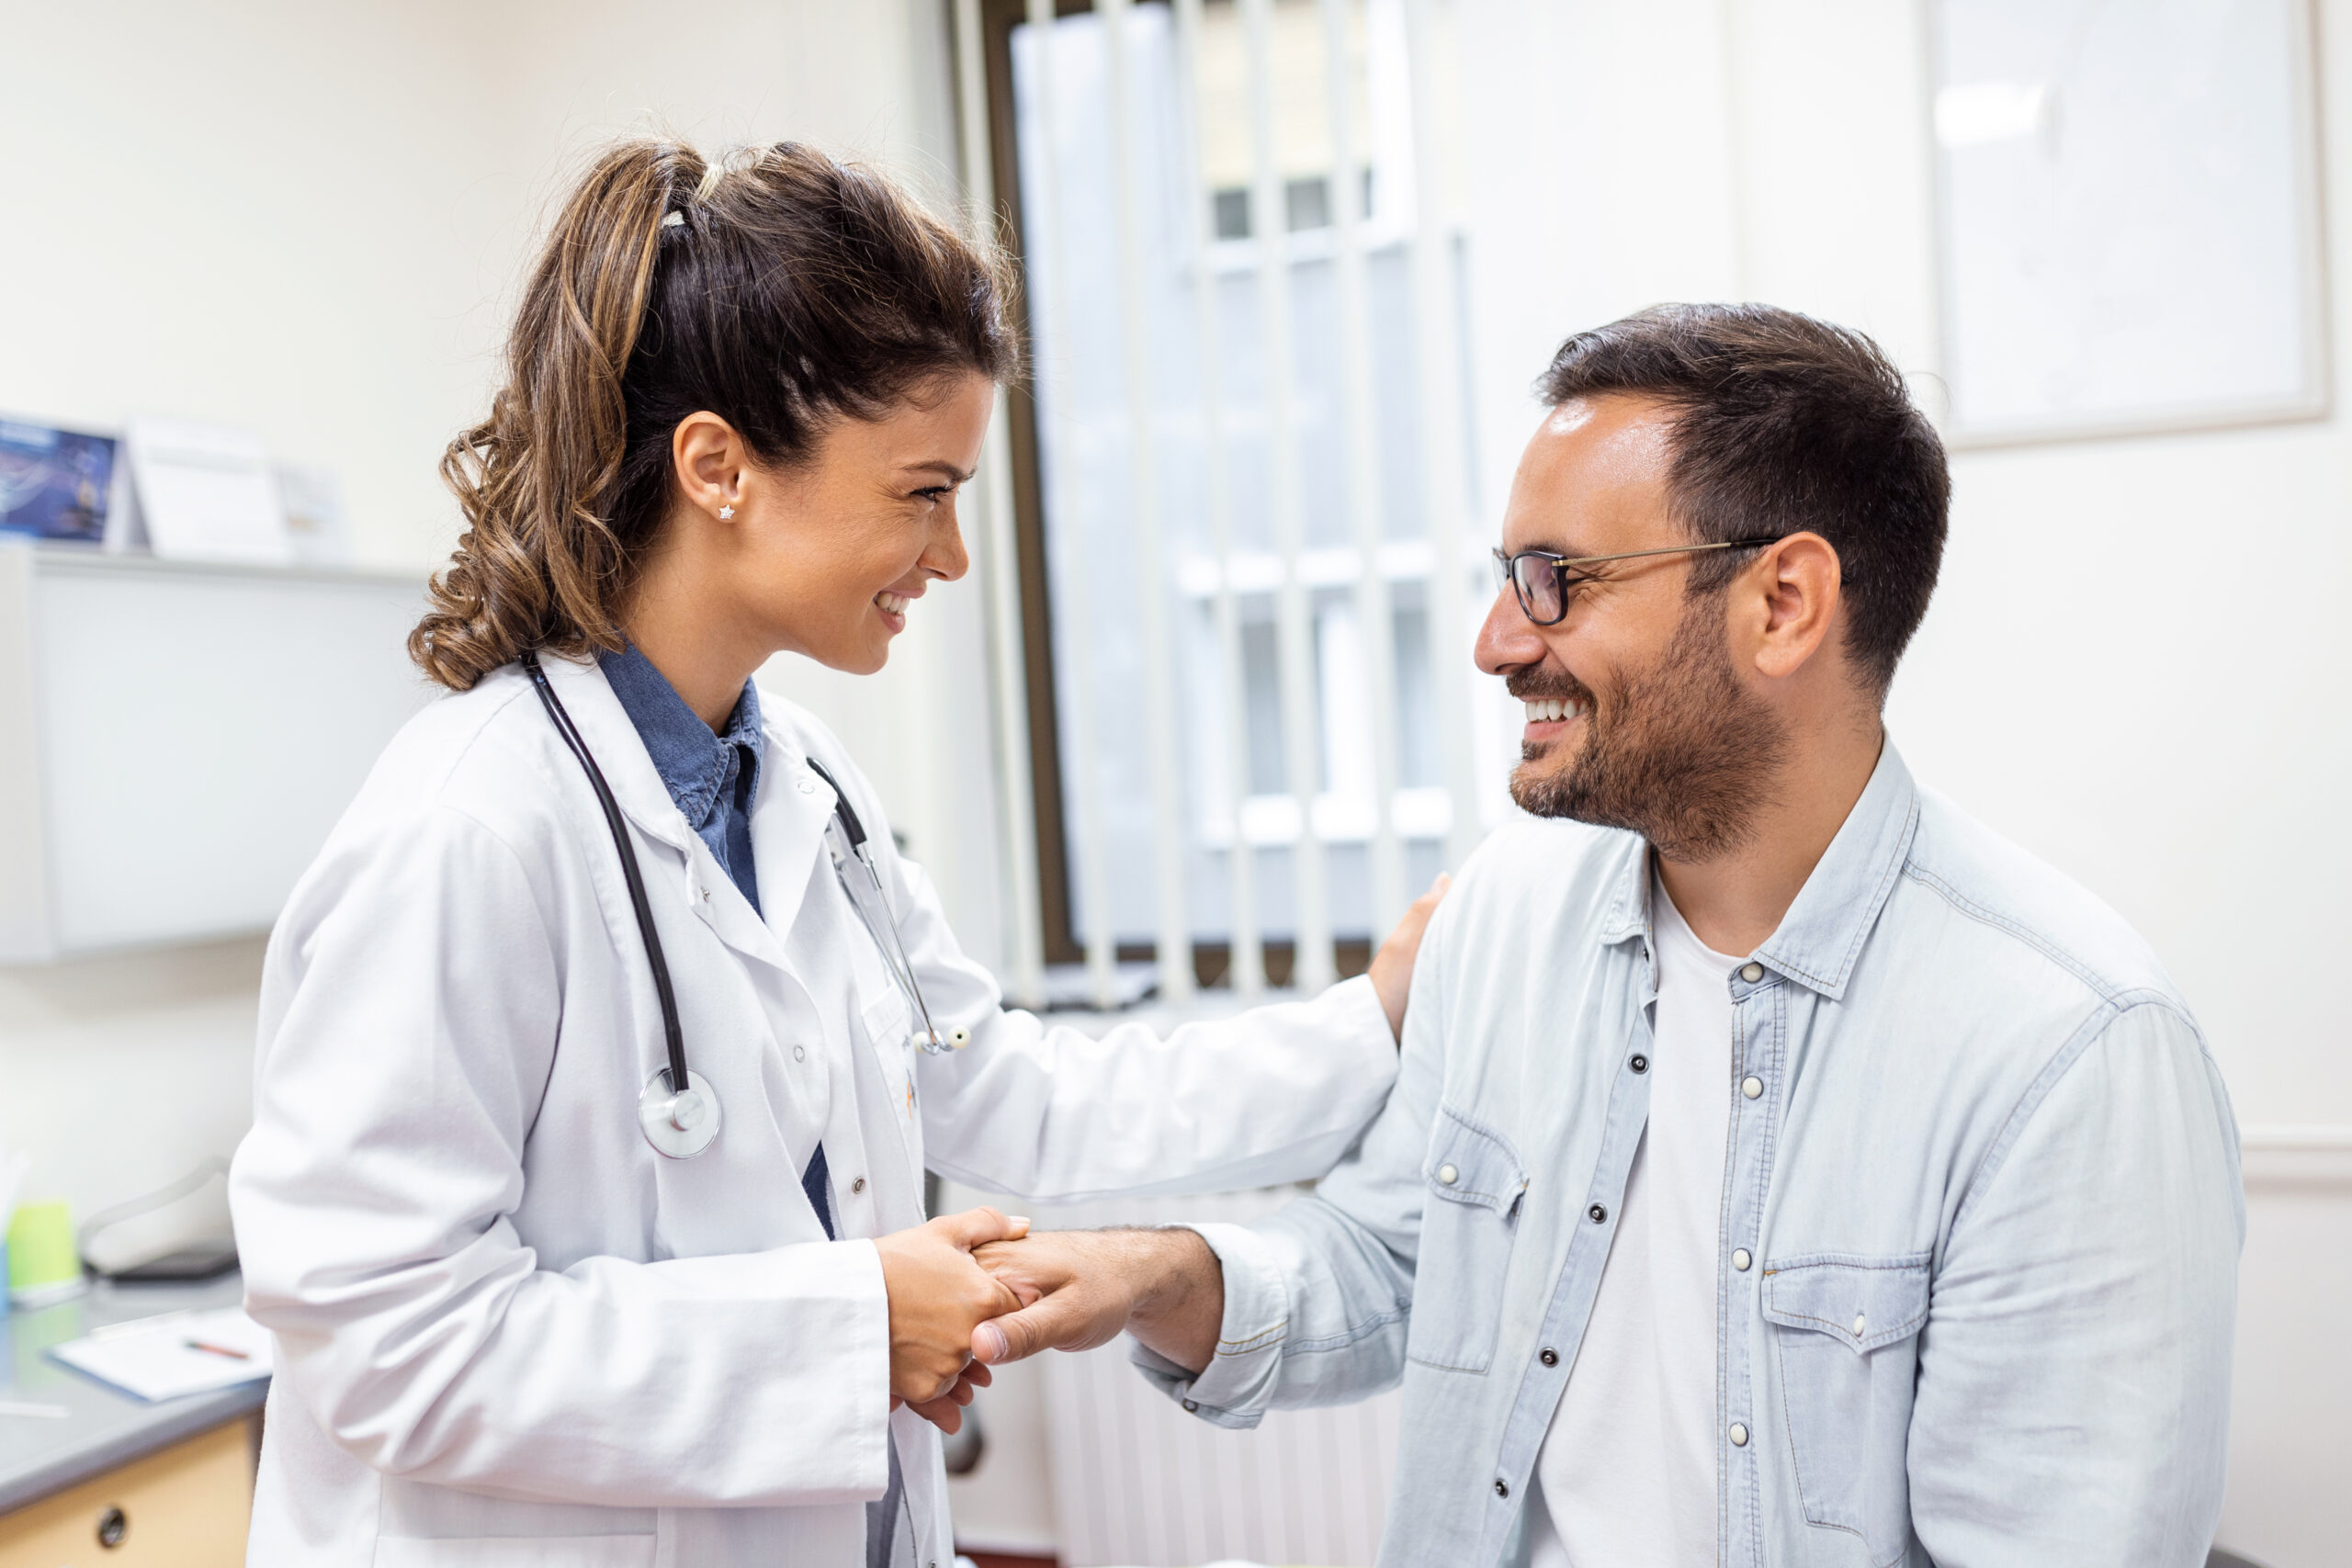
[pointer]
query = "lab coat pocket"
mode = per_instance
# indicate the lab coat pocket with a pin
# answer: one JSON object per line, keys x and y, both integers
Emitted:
{"x": 1475, "y": 1182}
{"x": 1847, "y": 1330}
{"x": 889, "y": 1024}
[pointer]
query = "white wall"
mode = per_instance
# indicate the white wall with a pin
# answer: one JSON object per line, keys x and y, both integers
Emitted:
{"x": 2131, "y": 661}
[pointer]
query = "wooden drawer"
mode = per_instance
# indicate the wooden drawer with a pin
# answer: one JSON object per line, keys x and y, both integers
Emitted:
{"x": 187, "y": 1506}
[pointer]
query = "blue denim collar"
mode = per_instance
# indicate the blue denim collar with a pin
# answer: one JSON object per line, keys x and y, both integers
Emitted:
{"x": 690, "y": 758}
{"x": 1821, "y": 936}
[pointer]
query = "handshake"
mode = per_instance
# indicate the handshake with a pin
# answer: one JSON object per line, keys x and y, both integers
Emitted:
{"x": 975, "y": 1289}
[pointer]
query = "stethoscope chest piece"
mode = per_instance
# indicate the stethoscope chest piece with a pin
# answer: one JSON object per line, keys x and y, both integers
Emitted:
{"x": 678, "y": 1126}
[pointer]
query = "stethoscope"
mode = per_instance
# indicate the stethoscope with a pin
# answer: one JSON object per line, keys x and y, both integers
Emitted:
{"x": 682, "y": 1122}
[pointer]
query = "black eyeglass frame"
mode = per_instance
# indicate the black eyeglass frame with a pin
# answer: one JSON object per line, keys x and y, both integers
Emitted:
{"x": 1507, "y": 567}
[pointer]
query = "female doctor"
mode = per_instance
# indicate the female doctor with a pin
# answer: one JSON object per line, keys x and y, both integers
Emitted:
{"x": 604, "y": 1045}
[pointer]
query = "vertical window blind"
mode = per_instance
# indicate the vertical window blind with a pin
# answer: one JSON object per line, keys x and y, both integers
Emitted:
{"x": 1232, "y": 625}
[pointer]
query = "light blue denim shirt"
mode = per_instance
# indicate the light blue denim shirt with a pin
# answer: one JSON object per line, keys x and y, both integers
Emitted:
{"x": 1981, "y": 1212}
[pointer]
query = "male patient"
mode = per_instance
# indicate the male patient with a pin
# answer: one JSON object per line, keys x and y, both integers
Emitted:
{"x": 1784, "y": 1169}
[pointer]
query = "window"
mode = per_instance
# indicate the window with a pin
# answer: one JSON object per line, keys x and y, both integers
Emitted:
{"x": 1238, "y": 475}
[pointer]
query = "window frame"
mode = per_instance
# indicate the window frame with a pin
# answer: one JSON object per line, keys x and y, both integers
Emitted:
{"x": 1059, "y": 942}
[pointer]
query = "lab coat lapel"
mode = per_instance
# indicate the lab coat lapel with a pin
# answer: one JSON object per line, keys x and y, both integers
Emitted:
{"x": 788, "y": 819}
{"x": 620, "y": 754}
{"x": 645, "y": 800}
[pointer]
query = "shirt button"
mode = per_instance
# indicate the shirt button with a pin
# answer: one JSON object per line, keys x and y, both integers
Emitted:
{"x": 858, "y": 1186}
{"x": 800, "y": 1052}
{"x": 1598, "y": 1215}
{"x": 1640, "y": 1064}
{"x": 1861, "y": 1324}
{"x": 1191, "y": 1406}
{"x": 808, "y": 786}
{"x": 1751, "y": 1086}
{"x": 1738, "y": 1436}
{"x": 1740, "y": 1258}
{"x": 1550, "y": 1357}
{"x": 1447, "y": 1176}
{"x": 1502, "y": 1488}
{"x": 1751, "y": 973}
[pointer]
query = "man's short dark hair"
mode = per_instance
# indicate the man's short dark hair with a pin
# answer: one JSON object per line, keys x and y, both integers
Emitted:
{"x": 1783, "y": 423}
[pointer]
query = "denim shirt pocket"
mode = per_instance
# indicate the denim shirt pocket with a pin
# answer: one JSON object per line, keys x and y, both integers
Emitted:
{"x": 1847, "y": 1331}
{"x": 1474, "y": 1181}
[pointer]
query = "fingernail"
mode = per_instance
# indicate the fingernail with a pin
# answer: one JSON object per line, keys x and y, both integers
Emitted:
{"x": 990, "y": 1340}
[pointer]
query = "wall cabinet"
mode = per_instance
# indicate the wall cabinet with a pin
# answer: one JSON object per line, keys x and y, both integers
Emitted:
{"x": 177, "y": 739}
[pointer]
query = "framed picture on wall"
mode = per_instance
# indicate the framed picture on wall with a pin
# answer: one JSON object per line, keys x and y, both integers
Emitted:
{"x": 2128, "y": 216}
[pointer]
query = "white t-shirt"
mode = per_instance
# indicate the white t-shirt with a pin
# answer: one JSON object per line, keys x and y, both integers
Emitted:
{"x": 1627, "y": 1473}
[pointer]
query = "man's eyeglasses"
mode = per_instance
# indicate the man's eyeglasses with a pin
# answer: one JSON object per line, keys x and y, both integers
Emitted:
{"x": 1542, "y": 578}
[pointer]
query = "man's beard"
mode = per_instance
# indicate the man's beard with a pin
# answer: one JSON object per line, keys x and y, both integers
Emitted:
{"x": 1678, "y": 753}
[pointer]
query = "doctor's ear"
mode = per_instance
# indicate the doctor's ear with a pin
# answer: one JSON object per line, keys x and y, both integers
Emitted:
{"x": 710, "y": 461}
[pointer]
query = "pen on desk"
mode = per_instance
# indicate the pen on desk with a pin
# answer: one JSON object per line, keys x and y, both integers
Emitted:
{"x": 215, "y": 1350}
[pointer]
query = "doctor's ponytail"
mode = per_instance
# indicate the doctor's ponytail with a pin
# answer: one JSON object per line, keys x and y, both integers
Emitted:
{"x": 777, "y": 288}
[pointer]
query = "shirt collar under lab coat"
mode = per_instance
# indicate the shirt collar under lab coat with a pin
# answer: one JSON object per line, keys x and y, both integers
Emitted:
{"x": 788, "y": 815}
{"x": 691, "y": 758}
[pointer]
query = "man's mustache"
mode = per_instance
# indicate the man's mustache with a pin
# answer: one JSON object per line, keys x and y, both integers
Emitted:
{"x": 1539, "y": 684}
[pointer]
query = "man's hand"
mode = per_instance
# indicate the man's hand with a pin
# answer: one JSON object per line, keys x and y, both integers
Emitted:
{"x": 1081, "y": 1288}
{"x": 938, "y": 1296}
{"x": 1392, "y": 967}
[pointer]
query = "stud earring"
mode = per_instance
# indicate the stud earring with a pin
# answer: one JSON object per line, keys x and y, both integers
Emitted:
{"x": 725, "y": 512}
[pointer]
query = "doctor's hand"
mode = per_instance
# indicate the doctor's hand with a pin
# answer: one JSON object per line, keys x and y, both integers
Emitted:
{"x": 946, "y": 1411}
{"x": 1079, "y": 1289}
{"x": 1392, "y": 967}
{"x": 938, "y": 1295}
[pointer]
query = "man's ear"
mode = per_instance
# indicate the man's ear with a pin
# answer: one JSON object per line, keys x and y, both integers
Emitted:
{"x": 1794, "y": 589}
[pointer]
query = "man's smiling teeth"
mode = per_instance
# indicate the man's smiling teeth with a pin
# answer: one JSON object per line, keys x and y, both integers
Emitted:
{"x": 1545, "y": 710}
{"x": 894, "y": 604}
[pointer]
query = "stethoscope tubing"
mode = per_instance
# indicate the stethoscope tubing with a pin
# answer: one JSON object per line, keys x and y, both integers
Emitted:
{"x": 892, "y": 948}
{"x": 673, "y": 1035}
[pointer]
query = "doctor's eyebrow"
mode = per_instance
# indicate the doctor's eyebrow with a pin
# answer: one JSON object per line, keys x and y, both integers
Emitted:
{"x": 943, "y": 468}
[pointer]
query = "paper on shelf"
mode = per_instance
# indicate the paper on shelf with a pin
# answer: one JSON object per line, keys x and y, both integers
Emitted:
{"x": 153, "y": 1357}
{"x": 205, "y": 492}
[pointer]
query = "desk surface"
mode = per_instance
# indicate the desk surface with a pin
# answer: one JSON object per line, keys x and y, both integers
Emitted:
{"x": 103, "y": 1427}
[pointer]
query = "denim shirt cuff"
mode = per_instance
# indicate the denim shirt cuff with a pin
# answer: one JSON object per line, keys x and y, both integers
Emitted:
{"x": 1235, "y": 1389}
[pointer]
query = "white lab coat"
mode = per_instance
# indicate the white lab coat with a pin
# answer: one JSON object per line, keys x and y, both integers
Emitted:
{"x": 509, "y": 1333}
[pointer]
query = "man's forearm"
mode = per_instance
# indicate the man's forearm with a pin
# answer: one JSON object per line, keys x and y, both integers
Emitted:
{"x": 1180, "y": 1306}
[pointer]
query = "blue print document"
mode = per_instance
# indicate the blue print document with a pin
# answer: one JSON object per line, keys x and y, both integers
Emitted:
{"x": 54, "y": 483}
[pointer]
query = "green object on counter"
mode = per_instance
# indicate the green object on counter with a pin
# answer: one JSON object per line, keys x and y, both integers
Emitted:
{"x": 43, "y": 1263}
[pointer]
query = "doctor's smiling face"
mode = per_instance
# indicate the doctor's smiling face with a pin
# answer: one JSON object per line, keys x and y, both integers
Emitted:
{"x": 826, "y": 555}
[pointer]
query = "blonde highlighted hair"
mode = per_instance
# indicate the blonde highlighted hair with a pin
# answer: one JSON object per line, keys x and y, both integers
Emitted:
{"x": 779, "y": 289}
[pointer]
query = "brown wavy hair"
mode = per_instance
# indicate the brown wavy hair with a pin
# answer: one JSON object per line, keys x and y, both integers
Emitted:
{"x": 777, "y": 288}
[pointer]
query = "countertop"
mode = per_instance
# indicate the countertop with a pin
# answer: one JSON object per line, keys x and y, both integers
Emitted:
{"x": 102, "y": 1427}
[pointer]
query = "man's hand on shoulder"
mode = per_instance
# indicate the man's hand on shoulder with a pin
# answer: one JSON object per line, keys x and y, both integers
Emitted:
{"x": 1080, "y": 1289}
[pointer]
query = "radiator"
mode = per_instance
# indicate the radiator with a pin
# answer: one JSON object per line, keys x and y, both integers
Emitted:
{"x": 1136, "y": 1481}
